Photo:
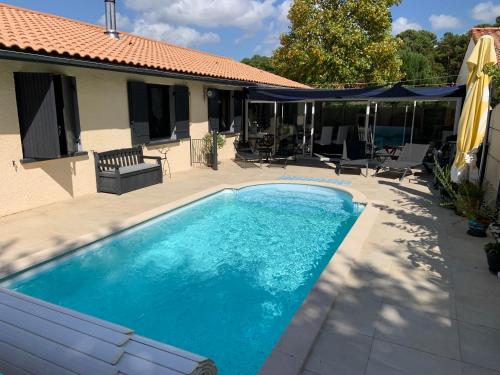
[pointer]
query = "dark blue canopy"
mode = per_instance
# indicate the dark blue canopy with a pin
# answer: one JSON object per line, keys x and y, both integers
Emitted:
{"x": 395, "y": 92}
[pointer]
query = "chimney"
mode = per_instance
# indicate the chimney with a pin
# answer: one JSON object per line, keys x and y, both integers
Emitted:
{"x": 110, "y": 15}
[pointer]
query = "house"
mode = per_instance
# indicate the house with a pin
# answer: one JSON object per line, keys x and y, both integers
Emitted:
{"x": 68, "y": 88}
{"x": 492, "y": 168}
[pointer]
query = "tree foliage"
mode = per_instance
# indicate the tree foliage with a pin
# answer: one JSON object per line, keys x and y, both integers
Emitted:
{"x": 429, "y": 60}
{"x": 496, "y": 24}
{"x": 332, "y": 42}
{"x": 260, "y": 62}
{"x": 451, "y": 52}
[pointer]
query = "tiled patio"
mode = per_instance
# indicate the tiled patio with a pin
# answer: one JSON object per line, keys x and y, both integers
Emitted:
{"x": 419, "y": 300}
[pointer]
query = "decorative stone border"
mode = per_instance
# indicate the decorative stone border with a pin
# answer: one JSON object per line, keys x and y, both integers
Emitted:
{"x": 289, "y": 355}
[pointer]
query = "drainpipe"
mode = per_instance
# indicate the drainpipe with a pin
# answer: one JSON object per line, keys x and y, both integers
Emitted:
{"x": 110, "y": 16}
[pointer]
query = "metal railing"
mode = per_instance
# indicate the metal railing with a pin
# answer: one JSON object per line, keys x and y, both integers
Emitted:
{"x": 200, "y": 154}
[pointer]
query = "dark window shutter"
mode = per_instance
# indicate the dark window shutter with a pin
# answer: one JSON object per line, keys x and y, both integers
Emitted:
{"x": 181, "y": 98}
{"x": 213, "y": 110}
{"x": 36, "y": 104}
{"x": 238, "y": 100}
{"x": 70, "y": 113}
{"x": 138, "y": 112}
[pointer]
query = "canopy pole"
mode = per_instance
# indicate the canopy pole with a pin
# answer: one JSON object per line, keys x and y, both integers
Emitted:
{"x": 374, "y": 127}
{"x": 246, "y": 120}
{"x": 367, "y": 124}
{"x": 404, "y": 129}
{"x": 275, "y": 125}
{"x": 304, "y": 126}
{"x": 413, "y": 121}
{"x": 313, "y": 112}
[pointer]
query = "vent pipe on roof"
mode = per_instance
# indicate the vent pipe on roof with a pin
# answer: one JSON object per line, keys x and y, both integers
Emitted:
{"x": 110, "y": 15}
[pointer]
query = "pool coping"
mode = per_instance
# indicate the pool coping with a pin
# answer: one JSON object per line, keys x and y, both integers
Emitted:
{"x": 290, "y": 353}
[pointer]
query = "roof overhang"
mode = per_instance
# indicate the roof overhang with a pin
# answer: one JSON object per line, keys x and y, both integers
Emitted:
{"x": 9, "y": 54}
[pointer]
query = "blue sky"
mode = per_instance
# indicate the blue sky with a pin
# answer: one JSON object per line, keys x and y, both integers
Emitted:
{"x": 240, "y": 28}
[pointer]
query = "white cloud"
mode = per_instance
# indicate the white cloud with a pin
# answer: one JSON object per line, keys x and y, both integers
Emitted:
{"x": 122, "y": 21}
{"x": 242, "y": 14}
{"x": 181, "y": 35}
{"x": 401, "y": 24}
{"x": 283, "y": 10}
{"x": 444, "y": 21}
{"x": 486, "y": 12}
{"x": 181, "y": 21}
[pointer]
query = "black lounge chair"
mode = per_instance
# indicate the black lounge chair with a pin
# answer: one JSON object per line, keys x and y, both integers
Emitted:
{"x": 245, "y": 153}
{"x": 286, "y": 152}
{"x": 354, "y": 156}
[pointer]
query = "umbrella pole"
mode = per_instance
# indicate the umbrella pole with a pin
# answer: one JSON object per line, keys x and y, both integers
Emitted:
{"x": 482, "y": 165}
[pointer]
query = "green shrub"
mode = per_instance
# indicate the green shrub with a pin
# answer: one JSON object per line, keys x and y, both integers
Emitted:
{"x": 492, "y": 248}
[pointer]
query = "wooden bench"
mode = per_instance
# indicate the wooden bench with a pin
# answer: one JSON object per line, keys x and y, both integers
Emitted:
{"x": 124, "y": 170}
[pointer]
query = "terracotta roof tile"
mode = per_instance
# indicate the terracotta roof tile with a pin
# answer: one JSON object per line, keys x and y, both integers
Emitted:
{"x": 27, "y": 29}
{"x": 478, "y": 32}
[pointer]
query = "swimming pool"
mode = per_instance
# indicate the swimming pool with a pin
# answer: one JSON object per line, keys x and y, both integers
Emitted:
{"x": 221, "y": 277}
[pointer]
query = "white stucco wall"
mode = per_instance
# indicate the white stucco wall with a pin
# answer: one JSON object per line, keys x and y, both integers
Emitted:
{"x": 492, "y": 171}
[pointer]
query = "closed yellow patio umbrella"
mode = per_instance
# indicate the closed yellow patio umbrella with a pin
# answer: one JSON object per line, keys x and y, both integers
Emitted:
{"x": 474, "y": 117}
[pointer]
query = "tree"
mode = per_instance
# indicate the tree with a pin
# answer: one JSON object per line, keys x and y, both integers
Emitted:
{"x": 450, "y": 53}
{"x": 339, "y": 43}
{"x": 416, "y": 67}
{"x": 496, "y": 24}
{"x": 260, "y": 62}
{"x": 421, "y": 41}
{"x": 444, "y": 57}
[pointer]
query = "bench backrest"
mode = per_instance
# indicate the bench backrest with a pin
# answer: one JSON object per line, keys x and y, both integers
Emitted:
{"x": 122, "y": 158}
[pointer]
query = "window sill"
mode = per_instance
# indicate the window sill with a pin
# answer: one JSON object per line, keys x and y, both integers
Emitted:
{"x": 157, "y": 142}
{"x": 229, "y": 134}
{"x": 32, "y": 160}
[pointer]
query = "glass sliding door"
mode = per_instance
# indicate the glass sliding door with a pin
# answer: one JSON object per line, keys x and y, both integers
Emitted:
{"x": 288, "y": 132}
{"x": 261, "y": 122}
{"x": 434, "y": 122}
{"x": 393, "y": 123}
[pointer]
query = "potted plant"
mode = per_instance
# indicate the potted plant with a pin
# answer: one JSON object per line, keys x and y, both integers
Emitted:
{"x": 492, "y": 251}
{"x": 470, "y": 203}
{"x": 447, "y": 189}
{"x": 207, "y": 148}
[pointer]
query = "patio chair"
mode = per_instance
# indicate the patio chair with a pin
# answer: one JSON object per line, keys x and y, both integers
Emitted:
{"x": 412, "y": 156}
{"x": 244, "y": 152}
{"x": 286, "y": 152}
{"x": 264, "y": 146}
{"x": 354, "y": 157}
{"x": 326, "y": 136}
{"x": 342, "y": 134}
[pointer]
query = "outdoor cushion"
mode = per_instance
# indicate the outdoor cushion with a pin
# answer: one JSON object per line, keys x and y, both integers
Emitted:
{"x": 136, "y": 167}
{"x": 131, "y": 168}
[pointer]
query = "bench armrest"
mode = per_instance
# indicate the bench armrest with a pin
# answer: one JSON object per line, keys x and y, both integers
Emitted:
{"x": 157, "y": 158}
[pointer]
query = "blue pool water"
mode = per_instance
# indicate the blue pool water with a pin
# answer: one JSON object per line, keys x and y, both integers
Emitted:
{"x": 221, "y": 277}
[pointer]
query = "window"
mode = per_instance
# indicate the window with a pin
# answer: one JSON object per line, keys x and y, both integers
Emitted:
{"x": 158, "y": 112}
{"x": 225, "y": 110}
{"x": 49, "y": 121}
